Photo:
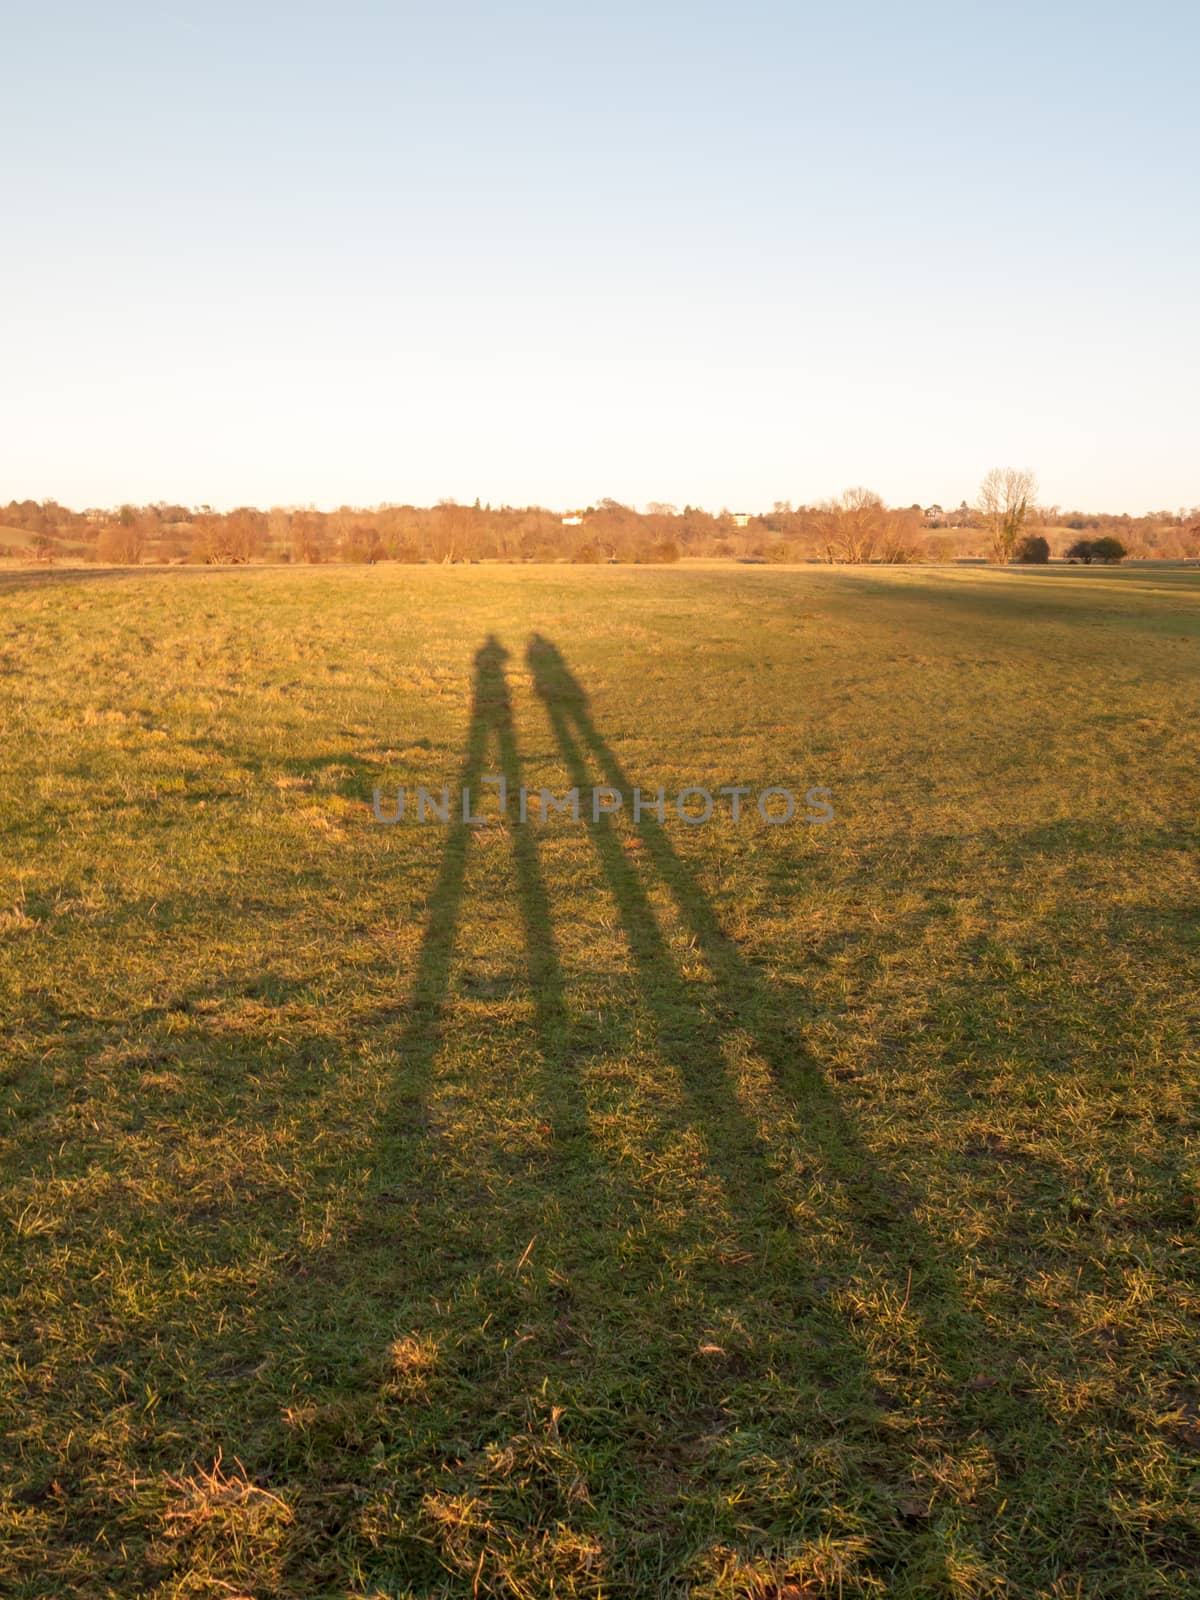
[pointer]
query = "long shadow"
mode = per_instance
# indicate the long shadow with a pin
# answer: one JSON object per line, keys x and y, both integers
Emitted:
{"x": 882, "y": 1203}
{"x": 330, "y": 1323}
{"x": 688, "y": 1041}
{"x": 596, "y": 1373}
{"x": 50, "y": 577}
{"x": 489, "y": 709}
{"x": 473, "y": 1236}
{"x": 692, "y": 1024}
{"x": 332, "y": 1312}
{"x": 1103, "y": 600}
{"x": 742, "y": 999}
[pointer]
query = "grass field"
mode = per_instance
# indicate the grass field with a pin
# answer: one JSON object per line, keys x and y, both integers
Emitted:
{"x": 609, "y": 1211}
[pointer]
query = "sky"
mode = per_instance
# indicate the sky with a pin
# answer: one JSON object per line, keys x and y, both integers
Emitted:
{"x": 718, "y": 255}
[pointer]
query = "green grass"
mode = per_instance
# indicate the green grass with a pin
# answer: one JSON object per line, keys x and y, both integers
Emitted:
{"x": 599, "y": 1211}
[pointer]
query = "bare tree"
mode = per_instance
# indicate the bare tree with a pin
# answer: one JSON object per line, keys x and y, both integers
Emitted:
{"x": 279, "y": 531}
{"x": 1004, "y": 497}
{"x": 851, "y": 528}
{"x": 309, "y": 541}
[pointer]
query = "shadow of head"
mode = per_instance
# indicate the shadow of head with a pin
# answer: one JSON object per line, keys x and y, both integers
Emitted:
{"x": 491, "y": 686}
{"x": 490, "y": 657}
{"x": 552, "y": 678}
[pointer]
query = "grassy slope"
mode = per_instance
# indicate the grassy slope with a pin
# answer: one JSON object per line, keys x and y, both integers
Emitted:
{"x": 569, "y": 1211}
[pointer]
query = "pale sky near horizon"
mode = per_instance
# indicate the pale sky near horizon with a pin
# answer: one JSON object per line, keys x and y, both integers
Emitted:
{"x": 541, "y": 254}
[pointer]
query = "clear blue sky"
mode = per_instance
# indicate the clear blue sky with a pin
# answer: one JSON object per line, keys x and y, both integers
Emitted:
{"x": 544, "y": 253}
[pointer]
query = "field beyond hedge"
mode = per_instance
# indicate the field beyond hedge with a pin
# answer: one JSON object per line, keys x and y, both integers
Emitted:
{"x": 613, "y": 1211}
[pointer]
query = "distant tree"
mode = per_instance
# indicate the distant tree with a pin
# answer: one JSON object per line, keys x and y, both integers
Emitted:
{"x": 25, "y": 514}
{"x": 279, "y": 528}
{"x": 360, "y": 542}
{"x": 856, "y": 527}
{"x": 122, "y": 544}
{"x": 219, "y": 538}
{"x": 896, "y": 552}
{"x": 1004, "y": 497}
{"x": 450, "y": 531}
{"x": 902, "y": 540}
{"x": 1082, "y": 550}
{"x": 1108, "y": 549}
{"x": 309, "y": 540}
{"x": 851, "y": 529}
{"x": 245, "y": 533}
{"x": 1032, "y": 548}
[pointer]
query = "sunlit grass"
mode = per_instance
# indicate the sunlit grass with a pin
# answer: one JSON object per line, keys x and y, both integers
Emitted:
{"x": 563, "y": 1211}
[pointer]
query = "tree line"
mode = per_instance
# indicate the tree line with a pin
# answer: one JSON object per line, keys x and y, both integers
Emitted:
{"x": 1006, "y": 523}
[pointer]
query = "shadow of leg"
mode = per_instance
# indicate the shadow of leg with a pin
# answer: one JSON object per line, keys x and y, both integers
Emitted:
{"x": 918, "y": 1294}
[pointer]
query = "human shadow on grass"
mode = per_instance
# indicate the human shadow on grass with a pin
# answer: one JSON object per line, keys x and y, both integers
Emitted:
{"x": 739, "y": 997}
{"x": 657, "y": 1440}
{"x": 693, "y": 1025}
{"x": 319, "y": 1316}
{"x": 658, "y": 1428}
{"x": 467, "y": 1245}
{"x": 648, "y": 1415}
{"x": 325, "y": 1322}
{"x": 657, "y": 1419}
